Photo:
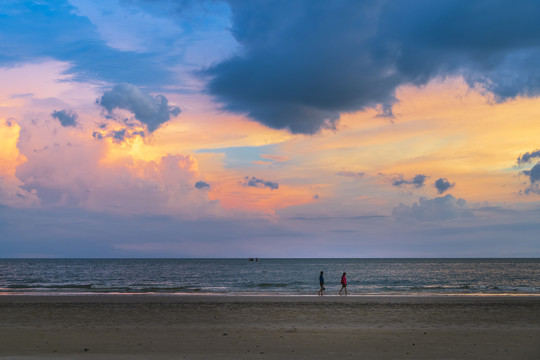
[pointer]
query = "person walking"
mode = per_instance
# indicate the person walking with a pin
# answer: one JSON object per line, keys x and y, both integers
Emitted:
{"x": 321, "y": 281}
{"x": 343, "y": 283}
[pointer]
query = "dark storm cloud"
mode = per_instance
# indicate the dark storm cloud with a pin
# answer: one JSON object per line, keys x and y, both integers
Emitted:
{"x": 304, "y": 62}
{"x": 418, "y": 181}
{"x": 443, "y": 184}
{"x": 260, "y": 183}
{"x": 202, "y": 185}
{"x": 149, "y": 110}
{"x": 66, "y": 117}
{"x": 52, "y": 29}
{"x": 528, "y": 156}
{"x": 298, "y": 70}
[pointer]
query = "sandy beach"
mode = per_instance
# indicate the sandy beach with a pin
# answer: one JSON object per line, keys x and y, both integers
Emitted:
{"x": 269, "y": 327}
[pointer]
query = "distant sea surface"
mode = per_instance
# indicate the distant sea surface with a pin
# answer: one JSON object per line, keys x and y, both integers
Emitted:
{"x": 270, "y": 276}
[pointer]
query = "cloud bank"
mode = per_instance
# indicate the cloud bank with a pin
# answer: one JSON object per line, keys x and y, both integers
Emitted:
{"x": 440, "y": 208}
{"x": 303, "y": 63}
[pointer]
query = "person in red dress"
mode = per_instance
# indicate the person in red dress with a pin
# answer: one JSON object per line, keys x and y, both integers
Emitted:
{"x": 343, "y": 283}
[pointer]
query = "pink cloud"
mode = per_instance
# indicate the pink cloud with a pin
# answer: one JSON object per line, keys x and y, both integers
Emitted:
{"x": 68, "y": 167}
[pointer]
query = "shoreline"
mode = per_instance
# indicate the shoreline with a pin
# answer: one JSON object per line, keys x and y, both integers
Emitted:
{"x": 270, "y": 297}
{"x": 270, "y": 327}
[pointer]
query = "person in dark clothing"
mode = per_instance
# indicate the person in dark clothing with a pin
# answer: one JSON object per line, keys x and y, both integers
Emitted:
{"x": 321, "y": 281}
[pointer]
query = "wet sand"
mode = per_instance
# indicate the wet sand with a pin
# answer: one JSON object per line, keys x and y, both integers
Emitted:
{"x": 269, "y": 327}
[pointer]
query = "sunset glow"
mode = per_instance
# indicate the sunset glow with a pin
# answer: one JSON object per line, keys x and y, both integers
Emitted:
{"x": 211, "y": 128}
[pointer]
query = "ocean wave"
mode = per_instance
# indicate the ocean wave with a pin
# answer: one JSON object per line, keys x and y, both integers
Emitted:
{"x": 51, "y": 286}
{"x": 171, "y": 289}
{"x": 272, "y": 285}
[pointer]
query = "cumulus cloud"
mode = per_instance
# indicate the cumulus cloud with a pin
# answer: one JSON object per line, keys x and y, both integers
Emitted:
{"x": 439, "y": 208}
{"x": 443, "y": 184}
{"x": 13, "y": 193}
{"x": 202, "y": 185}
{"x": 418, "y": 181}
{"x": 75, "y": 175}
{"x": 534, "y": 173}
{"x": 66, "y": 117}
{"x": 260, "y": 183}
{"x": 149, "y": 110}
{"x": 303, "y": 64}
{"x": 534, "y": 177}
{"x": 118, "y": 136}
{"x": 528, "y": 156}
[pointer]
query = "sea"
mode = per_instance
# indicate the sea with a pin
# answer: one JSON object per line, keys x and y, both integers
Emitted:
{"x": 284, "y": 277}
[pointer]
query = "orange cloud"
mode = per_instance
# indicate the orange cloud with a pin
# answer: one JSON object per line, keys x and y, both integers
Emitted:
{"x": 10, "y": 156}
{"x": 11, "y": 191}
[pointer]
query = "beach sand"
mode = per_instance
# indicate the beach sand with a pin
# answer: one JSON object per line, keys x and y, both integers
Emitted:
{"x": 269, "y": 327}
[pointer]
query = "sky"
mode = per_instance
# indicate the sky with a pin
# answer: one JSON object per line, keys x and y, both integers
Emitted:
{"x": 297, "y": 128}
